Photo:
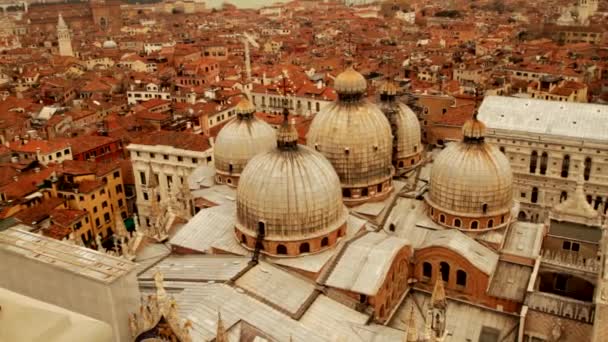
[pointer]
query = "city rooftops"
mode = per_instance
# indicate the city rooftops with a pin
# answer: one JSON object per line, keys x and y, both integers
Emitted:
{"x": 80, "y": 261}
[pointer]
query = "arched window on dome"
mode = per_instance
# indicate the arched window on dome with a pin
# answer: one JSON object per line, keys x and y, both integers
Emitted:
{"x": 461, "y": 278}
{"x": 325, "y": 242}
{"x": 261, "y": 228}
{"x": 281, "y": 250}
{"x": 563, "y": 196}
{"x": 444, "y": 269}
{"x": 427, "y": 270}
{"x": 230, "y": 168}
{"x": 533, "y": 161}
{"x": 401, "y": 164}
{"x": 441, "y": 218}
{"x": 457, "y": 223}
{"x": 346, "y": 193}
{"x": 565, "y": 166}
{"x": 484, "y": 208}
{"x": 490, "y": 223}
{"x": 474, "y": 224}
{"x": 244, "y": 239}
{"x": 364, "y": 192}
{"x": 305, "y": 248}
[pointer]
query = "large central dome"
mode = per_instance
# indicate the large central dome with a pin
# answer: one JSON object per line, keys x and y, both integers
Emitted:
{"x": 239, "y": 141}
{"x": 471, "y": 183}
{"x": 292, "y": 197}
{"x": 355, "y": 136}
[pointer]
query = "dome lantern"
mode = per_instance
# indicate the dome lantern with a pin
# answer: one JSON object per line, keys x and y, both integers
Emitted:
{"x": 350, "y": 85}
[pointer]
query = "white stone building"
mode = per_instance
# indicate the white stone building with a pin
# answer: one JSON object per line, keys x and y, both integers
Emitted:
{"x": 164, "y": 160}
{"x": 550, "y": 146}
{"x": 75, "y": 278}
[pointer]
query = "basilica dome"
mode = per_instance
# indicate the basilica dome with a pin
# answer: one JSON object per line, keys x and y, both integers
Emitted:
{"x": 471, "y": 183}
{"x": 109, "y": 44}
{"x": 355, "y": 136}
{"x": 240, "y": 140}
{"x": 290, "y": 196}
{"x": 407, "y": 146}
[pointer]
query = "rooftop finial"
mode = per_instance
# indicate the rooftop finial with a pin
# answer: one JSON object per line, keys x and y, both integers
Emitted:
{"x": 438, "y": 298}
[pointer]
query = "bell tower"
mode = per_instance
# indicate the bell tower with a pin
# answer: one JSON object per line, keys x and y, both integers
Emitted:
{"x": 437, "y": 312}
{"x": 64, "y": 38}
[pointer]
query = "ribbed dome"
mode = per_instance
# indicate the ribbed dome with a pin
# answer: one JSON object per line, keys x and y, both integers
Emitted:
{"x": 471, "y": 178}
{"x": 350, "y": 82}
{"x": 404, "y": 126}
{"x": 293, "y": 191}
{"x": 241, "y": 139}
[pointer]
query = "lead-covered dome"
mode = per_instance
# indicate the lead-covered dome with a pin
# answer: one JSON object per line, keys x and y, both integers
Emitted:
{"x": 471, "y": 183}
{"x": 240, "y": 140}
{"x": 290, "y": 196}
{"x": 407, "y": 146}
{"x": 355, "y": 136}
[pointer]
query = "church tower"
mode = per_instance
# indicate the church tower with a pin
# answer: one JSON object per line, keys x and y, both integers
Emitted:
{"x": 64, "y": 38}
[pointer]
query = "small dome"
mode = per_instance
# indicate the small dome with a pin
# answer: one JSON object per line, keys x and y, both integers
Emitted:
{"x": 350, "y": 82}
{"x": 471, "y": 183}
{"x": 474, "y": 129}
{"x": 355, "y": 136}
{"x": 240, "y": 140}
{"x": 407, "y": 145}
{"x": 388, "y": 88}
{"x": 293, "y": 194}
{"x": 110, "y": 44}
{"x": 245, "y": 107}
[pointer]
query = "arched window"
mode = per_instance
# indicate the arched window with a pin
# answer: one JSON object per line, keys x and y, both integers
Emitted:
{"x": 544, "y": 158}
{"x": 598, "y": 202}
{"x": 391, "y": 227}
{"x": 490, "y": 223}
{"x": 444, "y": 269}
{"x": 380, "y": 187}
{"x": 281, "y": 249}
{"x": 305, "y": 248}
{"x": 587, "y": 171}
{"x": 484, "y": 208}
{"x": 244, "y": 239}
{"x": 364, "y": 192}
{"x": 461, "y": 278}
{"x": 521, "y": 216}
{"x": 534, "y": 197}
{"x": 261, "y": 228}
{"x": 563, "y": 196}
{"x": 457, "y": 223}
{"x": 427, "y": 270}
{"x": 565, "y": 166}
{"x": 533, "y": 161}
{"x": 502, "y": 149}
{"x": 474, "y": 224}
{"x": 401, "y": 164}
{"x": 346, "y": 193}
{"x": 324, "y": 242}
{"x": 442, "y": 218}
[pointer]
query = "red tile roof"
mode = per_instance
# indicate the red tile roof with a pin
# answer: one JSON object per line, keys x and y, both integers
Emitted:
{"x": 181, "y": 140}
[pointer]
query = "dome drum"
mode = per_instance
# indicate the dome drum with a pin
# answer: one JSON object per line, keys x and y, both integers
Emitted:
{"x": 468, "y": 223}
{"x": 407, "y": 163}
{"x": 292, "y": 248}
{"x": 378, "y": 192}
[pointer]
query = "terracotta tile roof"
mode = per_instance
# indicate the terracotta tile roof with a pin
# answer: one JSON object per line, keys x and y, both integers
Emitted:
{"x": 82, "y": 167}
{"x": 46, "y": 146}
{"x": 85, "y": 143}
{"x": 57, "y": 232}
{"x": 65, "y": 217}
{"x": 86, "y": 186}
{"x": 25, "y": 184}
{"x": 181, "y": 140}
{"x": 40, "y": 212}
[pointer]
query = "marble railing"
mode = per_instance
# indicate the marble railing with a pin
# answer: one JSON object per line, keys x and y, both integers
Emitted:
{"x": 561, "y": 306}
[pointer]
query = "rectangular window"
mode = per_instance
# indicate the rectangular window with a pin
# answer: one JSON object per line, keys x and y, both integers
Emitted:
{"x": 194, "y": 161}
{"x": 116, "y": 174}
{"x": 119, "y": 189}
{"x": 104, "y": 204}
{"x": 209, "y": 159}
{"x": 120, "y": 202}
{"x": 95, "y": 209}
{"x": 102, "y": 191}
{"x": 93, "y": 196}
{"x": 152, "y": 155}
{"x": 66, "y": 152}
{"x": 169, "y": 180}
{"x": 179, "y": 158}
{"x": 106, "y": 217}
{"x": 97, "y": 223}
{"x": 165, "y": 157}
{"x": 575, "y": 247}
{"x": 145, "y": 196}
{"x": 142, "y": 177}
{"x": 58, "y": 154}
{"x": 566, "y": 245}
